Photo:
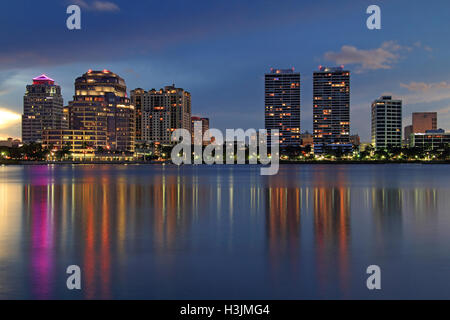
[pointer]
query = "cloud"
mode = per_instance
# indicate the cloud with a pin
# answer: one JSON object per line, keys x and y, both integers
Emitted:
{"x": 105, "y": 6}
{"x": 9, "y": 119}
{"x": 425, "y": 87}
{"x": 373, "y": 59}
{"x": 422, "y": 92}
{"x": 425, "y": 96}
{"x": 97, "y": 5}
{"x": 133, "y": 72}
{"x": 419, "y": 44}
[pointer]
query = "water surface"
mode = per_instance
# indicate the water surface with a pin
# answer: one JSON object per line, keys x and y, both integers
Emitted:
{"x": 224, "y": 232}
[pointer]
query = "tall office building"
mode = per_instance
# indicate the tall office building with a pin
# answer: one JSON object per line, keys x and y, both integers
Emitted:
{"x": 42, "y": 109}
{"x": 423, "y": 121}
{"x": 100, "y": 105}
{"x": 331, "y": 109}
{"x": 137, "y": 95}
{"x": 162, "y": 112}
{"x": 386, "y": 123}
{"x": 282, "y": 105}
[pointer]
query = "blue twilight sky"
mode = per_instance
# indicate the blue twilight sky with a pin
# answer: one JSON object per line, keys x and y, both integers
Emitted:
{"x": 219, "y": 51}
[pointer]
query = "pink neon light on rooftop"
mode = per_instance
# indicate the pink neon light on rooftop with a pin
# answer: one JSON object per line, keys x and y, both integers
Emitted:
{"x": 43, "y": 79}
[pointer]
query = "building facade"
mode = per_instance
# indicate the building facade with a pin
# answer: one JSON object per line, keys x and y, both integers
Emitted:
{"x": 42, "y": 109}
{"x": 282, "y": 105}
{"x": 386, "y": 123}
{"x": 162, "y": 112}
{"x": 407, "y": 135}
{"x": 81, "y": 143}
{"x": 100, "y": 105}
{"x": 137, "y": 96}
{"x": 431, "y": 140}
{"x": 423, "y": 121}
{"x": 331, "y": 110}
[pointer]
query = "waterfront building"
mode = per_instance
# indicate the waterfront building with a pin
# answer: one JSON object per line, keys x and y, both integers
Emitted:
{"x": 101, "y": 105}
{"x": 431, "y": 140}
{"x": 423, "y": 121}
{"x": 162, "y": 112}
{"x": 42, "y": 108}
{"x": 81, "y": 143}
{"x": 386, "y": 123}
{"x": 331, "y": 110}
{"x": 137, "y": 96}
{"x": 282, "y": 105}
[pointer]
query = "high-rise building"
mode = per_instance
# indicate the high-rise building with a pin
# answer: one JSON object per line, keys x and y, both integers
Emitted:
{"x": 137, "y": 95}
{"x": 163, "y": 111}
{"x": 100, "y": 105}
{"x": 386, "y": 123}
{"x": 282, "y": 105}
{"x": 42, "y": 108}
{"x": 331, "y": 110}
{"x": 204, "y": 139}
{"x": 423, "y": 121}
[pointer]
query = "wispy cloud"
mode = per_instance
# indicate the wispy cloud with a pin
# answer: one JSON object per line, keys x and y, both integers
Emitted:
{"x": 133, "y": 72}
{"x": 425, "y": 87}
{"x": 422, "y": 92}
{"x": 425, "y": 96}
{"x": 419, "y": 44}
{"x": 372, "y": 59}
{"x": 97, "y": 5}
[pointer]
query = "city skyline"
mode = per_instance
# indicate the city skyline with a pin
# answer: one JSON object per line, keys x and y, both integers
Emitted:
{"x": 402, "y": 60}
{"x": 139, "y": 100}
{"x": 225, "y": 159}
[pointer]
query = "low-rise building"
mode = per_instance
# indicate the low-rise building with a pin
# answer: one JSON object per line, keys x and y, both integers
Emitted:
{"x": 81, "y": 143}
{"x": 430, "y": 140}
{"x": 10, "y": 143}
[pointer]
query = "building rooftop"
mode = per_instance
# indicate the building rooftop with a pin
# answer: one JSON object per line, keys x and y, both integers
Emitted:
{"x": 280, "y": 71}
{"x": 43, "y": 79}
{"x": 331, "y": 69}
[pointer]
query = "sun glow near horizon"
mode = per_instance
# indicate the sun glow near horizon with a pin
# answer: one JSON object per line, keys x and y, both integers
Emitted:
{"x": 8, "y": 119}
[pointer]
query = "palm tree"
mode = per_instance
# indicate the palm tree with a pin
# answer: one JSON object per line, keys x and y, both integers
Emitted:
{"x": 63, "y": 152}
{"x": 84, "y": 145}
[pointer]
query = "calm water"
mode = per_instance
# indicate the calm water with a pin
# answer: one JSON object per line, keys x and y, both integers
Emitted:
{"x": 163, "y": 232}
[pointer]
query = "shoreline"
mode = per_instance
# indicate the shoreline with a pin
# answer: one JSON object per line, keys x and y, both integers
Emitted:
{"x": 337, "y": 162}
